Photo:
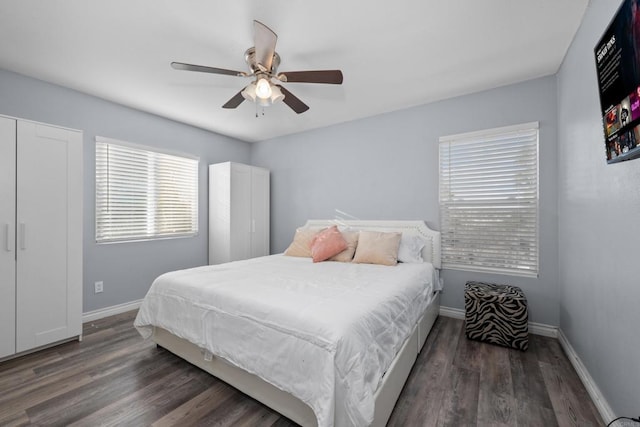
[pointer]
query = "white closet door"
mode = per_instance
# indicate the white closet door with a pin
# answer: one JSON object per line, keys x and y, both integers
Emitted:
{"x": 7, "y": 234}
{"x": 260, "y": 212}
{"x": 240, "y": 211}
{"x": 49, "y": 235}
{"x": 219, "y": 213}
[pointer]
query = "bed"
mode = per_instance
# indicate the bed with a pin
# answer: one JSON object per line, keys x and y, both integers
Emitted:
{"x": 341, "y": 340}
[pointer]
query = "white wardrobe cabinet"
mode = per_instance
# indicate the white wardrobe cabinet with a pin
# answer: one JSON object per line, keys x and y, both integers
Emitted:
{"x": 41, "y": 235}
{"x": 238, "y": 212}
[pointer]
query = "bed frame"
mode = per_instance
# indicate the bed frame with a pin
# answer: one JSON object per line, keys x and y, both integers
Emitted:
{"x": 287, "y": 404}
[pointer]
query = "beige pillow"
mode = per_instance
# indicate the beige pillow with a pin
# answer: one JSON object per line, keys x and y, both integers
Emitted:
{"x": 301, "y": 245}
{"x": 375, "y": 247}
{"x": 352, "y": 242}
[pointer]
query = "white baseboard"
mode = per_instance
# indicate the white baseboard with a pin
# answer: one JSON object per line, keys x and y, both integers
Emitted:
{"x": 596, "y": 396}
{"x": 455, "y": 313}
{"x": 543, "y": 329}
{"x": 534, "y": 327}
{"x": 100, "y": 313}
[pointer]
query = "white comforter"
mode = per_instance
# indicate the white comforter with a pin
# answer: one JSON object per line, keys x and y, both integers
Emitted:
{"x": 324, "y": 332}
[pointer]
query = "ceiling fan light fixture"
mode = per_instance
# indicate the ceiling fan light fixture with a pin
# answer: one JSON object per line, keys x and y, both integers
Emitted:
{"x": 276, "y": 94}
{"x": 250, "y": 94}
{"x": 263, "y": 88}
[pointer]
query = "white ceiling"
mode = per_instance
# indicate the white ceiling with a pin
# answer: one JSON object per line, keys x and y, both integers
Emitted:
{"x": 393, "y": 54}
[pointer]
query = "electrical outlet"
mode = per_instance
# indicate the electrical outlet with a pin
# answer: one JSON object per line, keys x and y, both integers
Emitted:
{"x": 98, "y": 287}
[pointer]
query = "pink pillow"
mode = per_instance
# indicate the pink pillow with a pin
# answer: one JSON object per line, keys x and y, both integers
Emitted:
{"x": 327, "y": 243}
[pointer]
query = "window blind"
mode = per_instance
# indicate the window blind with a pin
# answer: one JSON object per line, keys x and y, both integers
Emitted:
{"x": 489, "y": 200}
{"x": 144, "y": 194}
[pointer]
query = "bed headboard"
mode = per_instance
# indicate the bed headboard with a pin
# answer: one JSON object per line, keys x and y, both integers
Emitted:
{"x": 430, "y": 252}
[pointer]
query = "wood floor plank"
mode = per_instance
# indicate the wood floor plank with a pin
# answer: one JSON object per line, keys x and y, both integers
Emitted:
{"x": 528, "y": 383}
{"x": 88, "y": 341}
{"x": 468, "y": 355}
{"x": 422, "y": 395}
{"x": 533, "y": 406}
{"x": 169, "y": 401}
{"x": 283, "y": 422}
{"x": 496, "y": 402}
{"x": 28, "y": 361}
{"x": 14, "y": 378}
{"x": 114, "y": 377}
{"x": 82, "y": 401}
{"x": 550, "y": 351}
{"x": 568, "y": 407}
{"x": 19, "y": 400}
{"x": 530, "y": 414}
{"x": 19, "y": 418}
{"x": 152, "y": 402}
{"x": 37, "y": 387}
{"x": 259, "y": 417}
{"x": 117, "y": 321}
{"x": 190, "y": 412}
{"x": 460, "y": 400}
{"x": 89, "y": 352}
{"x": 235, "y": 406}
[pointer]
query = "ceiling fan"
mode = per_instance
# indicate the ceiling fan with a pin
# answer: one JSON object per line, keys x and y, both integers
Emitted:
{"x": 263, "y": 61}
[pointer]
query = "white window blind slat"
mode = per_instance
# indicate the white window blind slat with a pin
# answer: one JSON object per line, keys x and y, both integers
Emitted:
{"x": 144, "y": 194}
{"x": 489, "y": 200}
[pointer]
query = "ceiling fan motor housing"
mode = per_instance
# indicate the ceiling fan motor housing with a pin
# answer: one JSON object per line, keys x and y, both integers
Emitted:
{"x": 250, "y": 58}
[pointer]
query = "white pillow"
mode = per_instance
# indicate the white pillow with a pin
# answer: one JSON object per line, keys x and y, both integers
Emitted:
{"x": 410, "y": 250}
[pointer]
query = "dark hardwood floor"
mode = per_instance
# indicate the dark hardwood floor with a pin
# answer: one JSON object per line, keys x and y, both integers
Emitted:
{"x": 115, "y": 378}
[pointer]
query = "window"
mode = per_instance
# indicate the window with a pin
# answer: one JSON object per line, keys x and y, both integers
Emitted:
{"x": 489, "y": 200}
{"x": 143, "y": 194}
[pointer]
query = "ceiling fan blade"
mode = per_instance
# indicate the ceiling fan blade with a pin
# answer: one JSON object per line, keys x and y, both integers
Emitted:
{"x": 321, "y": 76}
{"x": 203, "y": 69}
{"x": 292, "y": 101}
{"x": 235, "y": 101}
{"x": 265, "y": 44}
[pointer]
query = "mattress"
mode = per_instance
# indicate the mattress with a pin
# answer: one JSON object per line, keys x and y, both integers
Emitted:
{"x": 324, "y": 332}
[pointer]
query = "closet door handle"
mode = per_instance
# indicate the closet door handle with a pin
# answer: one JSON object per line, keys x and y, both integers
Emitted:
{"x": 8, "y": 239}
{"x": 23, "y": 236}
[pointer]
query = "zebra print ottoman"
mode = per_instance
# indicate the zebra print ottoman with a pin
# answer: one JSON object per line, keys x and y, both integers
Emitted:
{"x": 496, "y": 314}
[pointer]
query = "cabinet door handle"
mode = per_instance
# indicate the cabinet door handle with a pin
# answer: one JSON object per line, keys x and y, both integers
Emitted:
{"x": 23, "y": 236}
{"x": 253, "y": 225}
{"x": 8, "y": 239}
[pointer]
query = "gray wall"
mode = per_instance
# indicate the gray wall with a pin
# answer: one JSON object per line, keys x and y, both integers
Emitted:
{"x": 127, "y": 269}
{"x": 386, "y": 167}
{"x": 599, "y": 233}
